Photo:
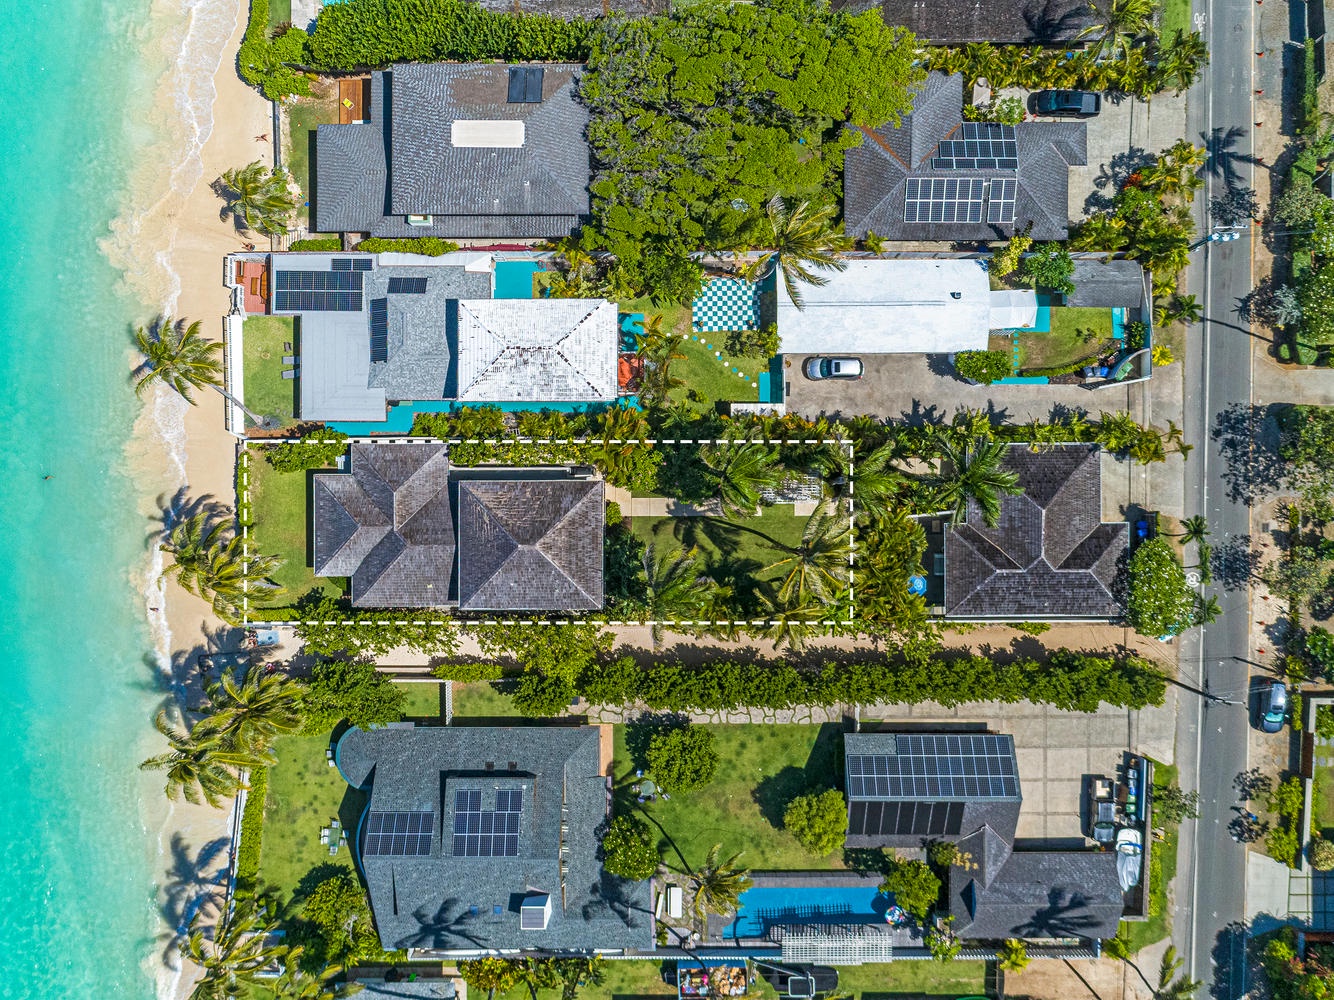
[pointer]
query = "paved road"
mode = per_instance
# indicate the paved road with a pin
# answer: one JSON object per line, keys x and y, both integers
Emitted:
{"x": 1212, "y": 736}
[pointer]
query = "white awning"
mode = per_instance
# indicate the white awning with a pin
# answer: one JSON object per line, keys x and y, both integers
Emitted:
{"x": 1014, "y": 310}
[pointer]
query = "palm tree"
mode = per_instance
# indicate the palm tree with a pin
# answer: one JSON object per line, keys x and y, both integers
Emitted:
{"x": 177, "y": 355}
{"x": 658, "y": 348}
{"x": 978, "y": 474}
{"x": 254, "y": 711}
{"x": 802, "y": 238}
{"x": 1121, "y": 23}
{"x": 675, "y": 586}
{"x": 296, "y": 984}
{"x": 1194, "y": 529}
{"x": 817, "y": 567}
{"x": 741, "y": 472}
{"x": 718, "y": 885}
{"x": 869, "y": 483}
{"x": 1013, "y": 956}
{"x": 1169, "y": 988}
{"x": 236, "y": 953}
{"x": 258, "y": 197}
{"x": 201, "y": 766}
{"x": 792, "y": 626}
{"x": 216, "y": 568}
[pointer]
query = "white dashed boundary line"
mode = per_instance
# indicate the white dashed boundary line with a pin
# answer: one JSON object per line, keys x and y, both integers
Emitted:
{"x": 243, "y": 491}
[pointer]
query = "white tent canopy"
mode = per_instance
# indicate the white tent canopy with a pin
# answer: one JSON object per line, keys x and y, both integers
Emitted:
{"x": 1014, "y": 310}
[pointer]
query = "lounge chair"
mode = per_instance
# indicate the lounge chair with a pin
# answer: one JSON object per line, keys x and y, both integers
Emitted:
{"x": 289, "y": 373}
{"x": 289, "y": 359}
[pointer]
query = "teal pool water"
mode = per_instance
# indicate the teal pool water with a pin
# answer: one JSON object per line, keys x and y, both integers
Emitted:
{"x": 764, "y": 905}
{"x": 77, "y": 842}
{"x": 514, "y": 279}
{"x": 399, "y": 420}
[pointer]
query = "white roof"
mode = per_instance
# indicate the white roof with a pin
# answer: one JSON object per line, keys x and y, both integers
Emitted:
{"x": 541, "y": 350}
{"x": 1014, "y": 310}
{"x": 890, "y": 307}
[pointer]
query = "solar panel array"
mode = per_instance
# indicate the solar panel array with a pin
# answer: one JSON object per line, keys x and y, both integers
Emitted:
{"x": 398, "y": 834}
{"x": 407, "y": 286}
{"x": 939, "y": 199}
{"x": 937, "y": 766}
{"x": 983, "y": 146}
{"x": 351, "y": 264}
{"x": 525, "y": 85}
{"x": 318, "y": 291}
{"x": 490, "y": 833}
{"x": 903, "y": 819}
{"x": 1000, "y": 200}
{"x": 379, "y": 330}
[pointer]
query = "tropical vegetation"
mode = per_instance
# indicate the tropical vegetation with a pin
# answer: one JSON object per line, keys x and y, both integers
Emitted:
{"x": 682, "y": 759}
{"x": 819, "y": 821}
{"x": 718, "y": 883}
{"x": 258, "y": 197}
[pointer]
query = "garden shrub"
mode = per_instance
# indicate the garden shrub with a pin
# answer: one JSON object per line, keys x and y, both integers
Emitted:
{"x": 1137, "y": 332}
{"x": 628, "y": 851}
{"x": 983, "y": 366}
{"x": 318, "y": 448}
{"x": 1324, "y": 721}
{"x": 1322, "y": 854}
{"x": 819, "y": 822}
{"x": 353, "y": 691}
{"x": 336, "y": 922}
{"x": 1161, "y": 602}
{"x": 329, "y": 627}
{"x": 759, "y": 344}
{"x": 1281, "y": 843}
{"x": 1049, "y": 265}
{"x": 1319, "y": 648}
{"x": 683, "y": 759}
{"x": 1306, "y": 354}
{"x": 325, "y": 244}
{"x": 914, "y": 885}
{"x": 252, "y": 830}
{"x": 1003, "y": 111}
{"x": 614, "y": 514}
{"x": 427, "y": 246}
{"x": 540, "y": 696}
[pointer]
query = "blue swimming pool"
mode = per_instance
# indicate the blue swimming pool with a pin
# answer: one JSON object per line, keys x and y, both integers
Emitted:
{"x": 761, "y": 906}
{"x": 514, "y": 279}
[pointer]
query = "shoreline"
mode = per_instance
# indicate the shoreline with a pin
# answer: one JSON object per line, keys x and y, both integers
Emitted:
{"x": 168, "y": 244}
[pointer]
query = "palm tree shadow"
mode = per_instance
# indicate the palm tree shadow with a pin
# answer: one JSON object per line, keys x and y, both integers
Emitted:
{"x": 193, "y": 882}
{"x": 1223, "y": 155}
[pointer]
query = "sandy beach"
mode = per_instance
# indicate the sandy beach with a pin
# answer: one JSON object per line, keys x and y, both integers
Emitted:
{"x": 170, "y": 244}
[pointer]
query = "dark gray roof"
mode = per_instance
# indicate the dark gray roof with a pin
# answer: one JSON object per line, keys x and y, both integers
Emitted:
{"x": 388, "y": 525}
{"x": 1050, "y": 555}
{"x": 875, "y": 173}
{"x": 1108, "y": 283}
{"x": 421, "y": 344}
{"x": 1037, "y": 894}
{"x": 448, "y": 903}
{"x": 530, "y": 545}
{"x": 367, "y": 183}
{"x": 405, "y": 989}
{"x": 547, "y": 175}
{"x": 951, "y": 22}
{"x": 930, "y": 811}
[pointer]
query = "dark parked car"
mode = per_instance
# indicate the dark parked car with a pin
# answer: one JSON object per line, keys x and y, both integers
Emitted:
{"x": 818, "y": 368}
{"x": 1275, "y": 707}
{"x": 1067, "y": 103}
{"x": 799, "y": 982}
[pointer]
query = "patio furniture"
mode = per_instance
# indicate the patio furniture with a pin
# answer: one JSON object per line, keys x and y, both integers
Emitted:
{"x": 287, "y": 345}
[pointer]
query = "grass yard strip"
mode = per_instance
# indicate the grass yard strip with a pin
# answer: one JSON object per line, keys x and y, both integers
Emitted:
{"x": 266, "y": 391}
{"x": 304, "y": 117}
{"x": 763, "y": 768}
{"x": 713, "y": 376}
{"x": 424, "y": 700}
{"x": 952, "y": 979}
{"x": 1140, "y": 934}
{"x": 1322, "y": 802}
{"x": 1176, "y": 17}
{"x": 280, "y": 12}
{"x": 735, "y": 552}
{"x": 480, "y": 700}
{"x": 305, "y": 793}
{"x": 278, "y": 505}
{"x": 1076, "y": 333}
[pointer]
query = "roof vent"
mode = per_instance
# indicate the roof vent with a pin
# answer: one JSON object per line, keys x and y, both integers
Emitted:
{"x": 490, "y": 765}
{"x": 486, "y": 134}
{"x": 525, "y": 85}
{"x": 535, "y": 912}
{"x": 514, "y": 765}
{"x": 956, "y": 295}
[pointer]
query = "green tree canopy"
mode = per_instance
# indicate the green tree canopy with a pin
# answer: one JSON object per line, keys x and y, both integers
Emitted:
{"x": 818, "y": 821}
{"x": 1160, "y": 601}
{"x": 628, "y": 851}
{"x": 682, "y": 760}
{"x": 351, "y": 690}
{"x": 914, "y": 885}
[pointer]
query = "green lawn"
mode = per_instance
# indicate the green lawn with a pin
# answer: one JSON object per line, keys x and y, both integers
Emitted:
{"x": 710, "y": 377}
{"x": 1322, "y": 802}
{"x": 424, "y": 700}
{"x": 953, "y": 979}
{"x": 764, "y": 767}
{"x": 1159, "y": 926}
{"x": 280, "y": 12}
{"x": 735, "y": 553}
{"x": 481, "y": 700}
{"x": 305, "y": 793}
{"x": 1076, "y": 334}
{"x": 266, "y": 391}
{"x": 279, "y": 509}
{"x": 1176, "y": 17}
{"x": 303, "y": 118}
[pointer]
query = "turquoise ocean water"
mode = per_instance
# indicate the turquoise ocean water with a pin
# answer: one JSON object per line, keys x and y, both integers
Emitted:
{"x": 78, "y": 834}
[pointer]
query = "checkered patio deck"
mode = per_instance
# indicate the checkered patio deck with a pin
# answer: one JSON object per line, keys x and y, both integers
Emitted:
{"x": 726, "y": 304}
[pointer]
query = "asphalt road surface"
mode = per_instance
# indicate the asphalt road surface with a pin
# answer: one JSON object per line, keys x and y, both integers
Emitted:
{"x": 1212, "y": 734}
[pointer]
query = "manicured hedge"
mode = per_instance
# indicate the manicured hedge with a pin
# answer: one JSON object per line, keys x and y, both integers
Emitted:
{"x": 326, "y": 244}
{"x": 1071, "y": 681}
{"x": 252, "y": 830}
{"x": 427, "y": 246}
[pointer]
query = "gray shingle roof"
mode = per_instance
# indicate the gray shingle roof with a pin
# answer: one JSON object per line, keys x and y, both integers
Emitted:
{"x": 530, "y": 545}
{"x": 1039, "y": 894}
{"x": 1108, "y": 283}
{"x": 388, "y": 525}
{"x": 449, "y": 903}
{"x": 950, "y": 22}
{"x": 365, "y": 184}
{"x": 1050, "y": 555}
{"x": 547, "y": 175}
{"x": 875, "y": 173}
{"x": 547, "y": 350}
